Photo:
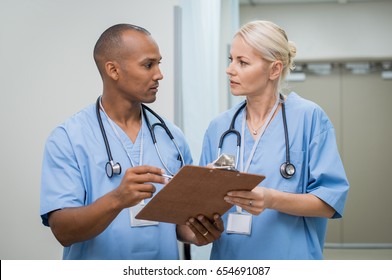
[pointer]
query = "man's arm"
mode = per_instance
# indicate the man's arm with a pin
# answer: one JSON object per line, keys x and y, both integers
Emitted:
{"x": 71, "y": 225}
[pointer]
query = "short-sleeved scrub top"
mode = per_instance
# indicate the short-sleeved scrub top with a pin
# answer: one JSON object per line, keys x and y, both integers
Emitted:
{"x": 319, "y": 171}
{"x": 73, "y": 175}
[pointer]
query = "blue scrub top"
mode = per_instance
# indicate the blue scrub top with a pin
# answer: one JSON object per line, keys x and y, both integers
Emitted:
{"x": 73, "y": 175}
{"x": 319, "y": 171}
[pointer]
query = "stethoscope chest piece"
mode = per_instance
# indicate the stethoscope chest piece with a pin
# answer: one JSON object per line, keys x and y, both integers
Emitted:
{"x": 287, "y": 170}
{"x": 112, "y": 168}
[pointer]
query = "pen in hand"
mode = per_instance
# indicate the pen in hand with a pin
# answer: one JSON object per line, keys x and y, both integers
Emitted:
{"x": 167, "y": 176}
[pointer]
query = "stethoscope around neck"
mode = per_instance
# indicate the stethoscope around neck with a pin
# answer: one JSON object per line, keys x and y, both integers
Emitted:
{"x": 287, "y": 169}
{"x": 113, "y": 168}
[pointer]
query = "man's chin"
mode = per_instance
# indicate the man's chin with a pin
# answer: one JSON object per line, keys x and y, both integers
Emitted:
{"x": 150, "y": 99}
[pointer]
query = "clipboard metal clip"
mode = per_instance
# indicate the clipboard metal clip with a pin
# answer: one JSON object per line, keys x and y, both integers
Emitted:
{"x": 225, "y": 162}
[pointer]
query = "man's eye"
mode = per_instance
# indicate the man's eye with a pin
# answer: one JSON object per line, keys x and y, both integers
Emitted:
{"x": 148, "y": 65}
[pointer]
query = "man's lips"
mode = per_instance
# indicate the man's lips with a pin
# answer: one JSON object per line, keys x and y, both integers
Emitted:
{"x": 154, "y": 88}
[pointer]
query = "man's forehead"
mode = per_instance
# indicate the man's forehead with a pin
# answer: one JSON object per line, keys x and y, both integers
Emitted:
{"x": 141, "y": 44}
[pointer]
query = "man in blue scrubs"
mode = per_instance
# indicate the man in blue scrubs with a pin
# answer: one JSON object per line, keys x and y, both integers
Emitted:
{"x": 89, "y": 209}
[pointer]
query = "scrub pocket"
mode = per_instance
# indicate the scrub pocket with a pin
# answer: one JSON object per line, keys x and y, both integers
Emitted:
{"x": 295, "y": 184}
{"x": 174, "y": 164}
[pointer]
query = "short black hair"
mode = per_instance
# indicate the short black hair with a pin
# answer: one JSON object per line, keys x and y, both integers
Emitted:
{"x": 110, "y": 41}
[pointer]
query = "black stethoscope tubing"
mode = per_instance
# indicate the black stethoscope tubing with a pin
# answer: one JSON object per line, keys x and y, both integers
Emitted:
{"x": 287, "y": 169}
{"x": 115, "y": 168}
{"x": 232, "y": 129}
{"x": 110, "y": 167}
{"x": 152, "y": 127}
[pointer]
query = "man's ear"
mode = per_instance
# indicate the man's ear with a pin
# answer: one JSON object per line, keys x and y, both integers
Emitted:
{"x": 276, "y": 69}
{"x": 111, "y": 69}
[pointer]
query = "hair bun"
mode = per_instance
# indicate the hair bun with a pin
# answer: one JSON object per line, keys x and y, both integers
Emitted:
{"x": 292, "y": 49}
{"x": 292, "y": 54}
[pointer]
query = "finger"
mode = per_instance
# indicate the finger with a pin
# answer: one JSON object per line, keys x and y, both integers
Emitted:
{"x": 141, "y": 178}
{"x": 205, "y": 229}
{"x": 218, "y": 223}
{"x": 145, "y": 195}
{"x": 153, "y": 178}
{"x": 204, "y": 233}
{"x": 214, "y": 233}
{"x": 199, "y": 238}
{"x": 140, "y": 196}
{"x": 130, "y": 195}
{"x": 147, "y": 188}
{"x": 200, "y": 229}
{"x": 249, "y": 205}
{"x": 240, "y": 194}
{"x": 143, "y": 169}
{"x": 242, "y": 202}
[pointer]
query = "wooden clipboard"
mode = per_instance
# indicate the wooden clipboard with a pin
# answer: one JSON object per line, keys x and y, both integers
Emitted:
{"x": 196, "y": 190}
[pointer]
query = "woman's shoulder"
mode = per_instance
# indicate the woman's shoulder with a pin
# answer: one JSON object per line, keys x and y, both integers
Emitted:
{"x": 295, "y": 101}
{"x": 298, "y": 104}
{"x": 300, "y": 107}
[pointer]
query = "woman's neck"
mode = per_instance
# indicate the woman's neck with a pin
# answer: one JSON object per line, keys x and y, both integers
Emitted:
{"x": 258, "y": 107}
{"x": 258, "y": 110}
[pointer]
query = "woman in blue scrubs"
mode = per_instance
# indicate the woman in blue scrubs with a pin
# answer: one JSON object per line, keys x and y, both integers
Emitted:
{"x": 90, "y": 202}
{"x": 285, "y": 217}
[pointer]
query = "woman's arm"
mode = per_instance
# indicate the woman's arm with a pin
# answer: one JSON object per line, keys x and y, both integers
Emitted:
{"x": 261, "y": 198}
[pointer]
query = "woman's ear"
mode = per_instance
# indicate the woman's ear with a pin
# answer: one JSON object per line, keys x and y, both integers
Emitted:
{"x": 276, "y": 69}
{"x": 111, "y": 70}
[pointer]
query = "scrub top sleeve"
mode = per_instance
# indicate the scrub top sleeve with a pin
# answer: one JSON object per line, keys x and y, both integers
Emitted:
{"x": 61, "y": 180}
{"x": 327, "y": 178}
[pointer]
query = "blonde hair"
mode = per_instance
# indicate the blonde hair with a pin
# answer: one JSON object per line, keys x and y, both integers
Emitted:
{"x": 271, "y": 42}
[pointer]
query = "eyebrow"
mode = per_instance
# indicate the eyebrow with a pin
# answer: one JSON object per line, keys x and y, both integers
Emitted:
{"x": 152, "y": 59}
{"x": 241, "y": 57}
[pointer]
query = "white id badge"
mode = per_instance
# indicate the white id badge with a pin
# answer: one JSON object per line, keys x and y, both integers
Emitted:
{"x": 239, "y": 223}
{"x": 137, "y": 222}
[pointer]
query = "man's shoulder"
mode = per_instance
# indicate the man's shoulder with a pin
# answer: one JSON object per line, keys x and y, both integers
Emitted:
{"x": 82, "y": 117}
{"x": 78, "y": 122}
